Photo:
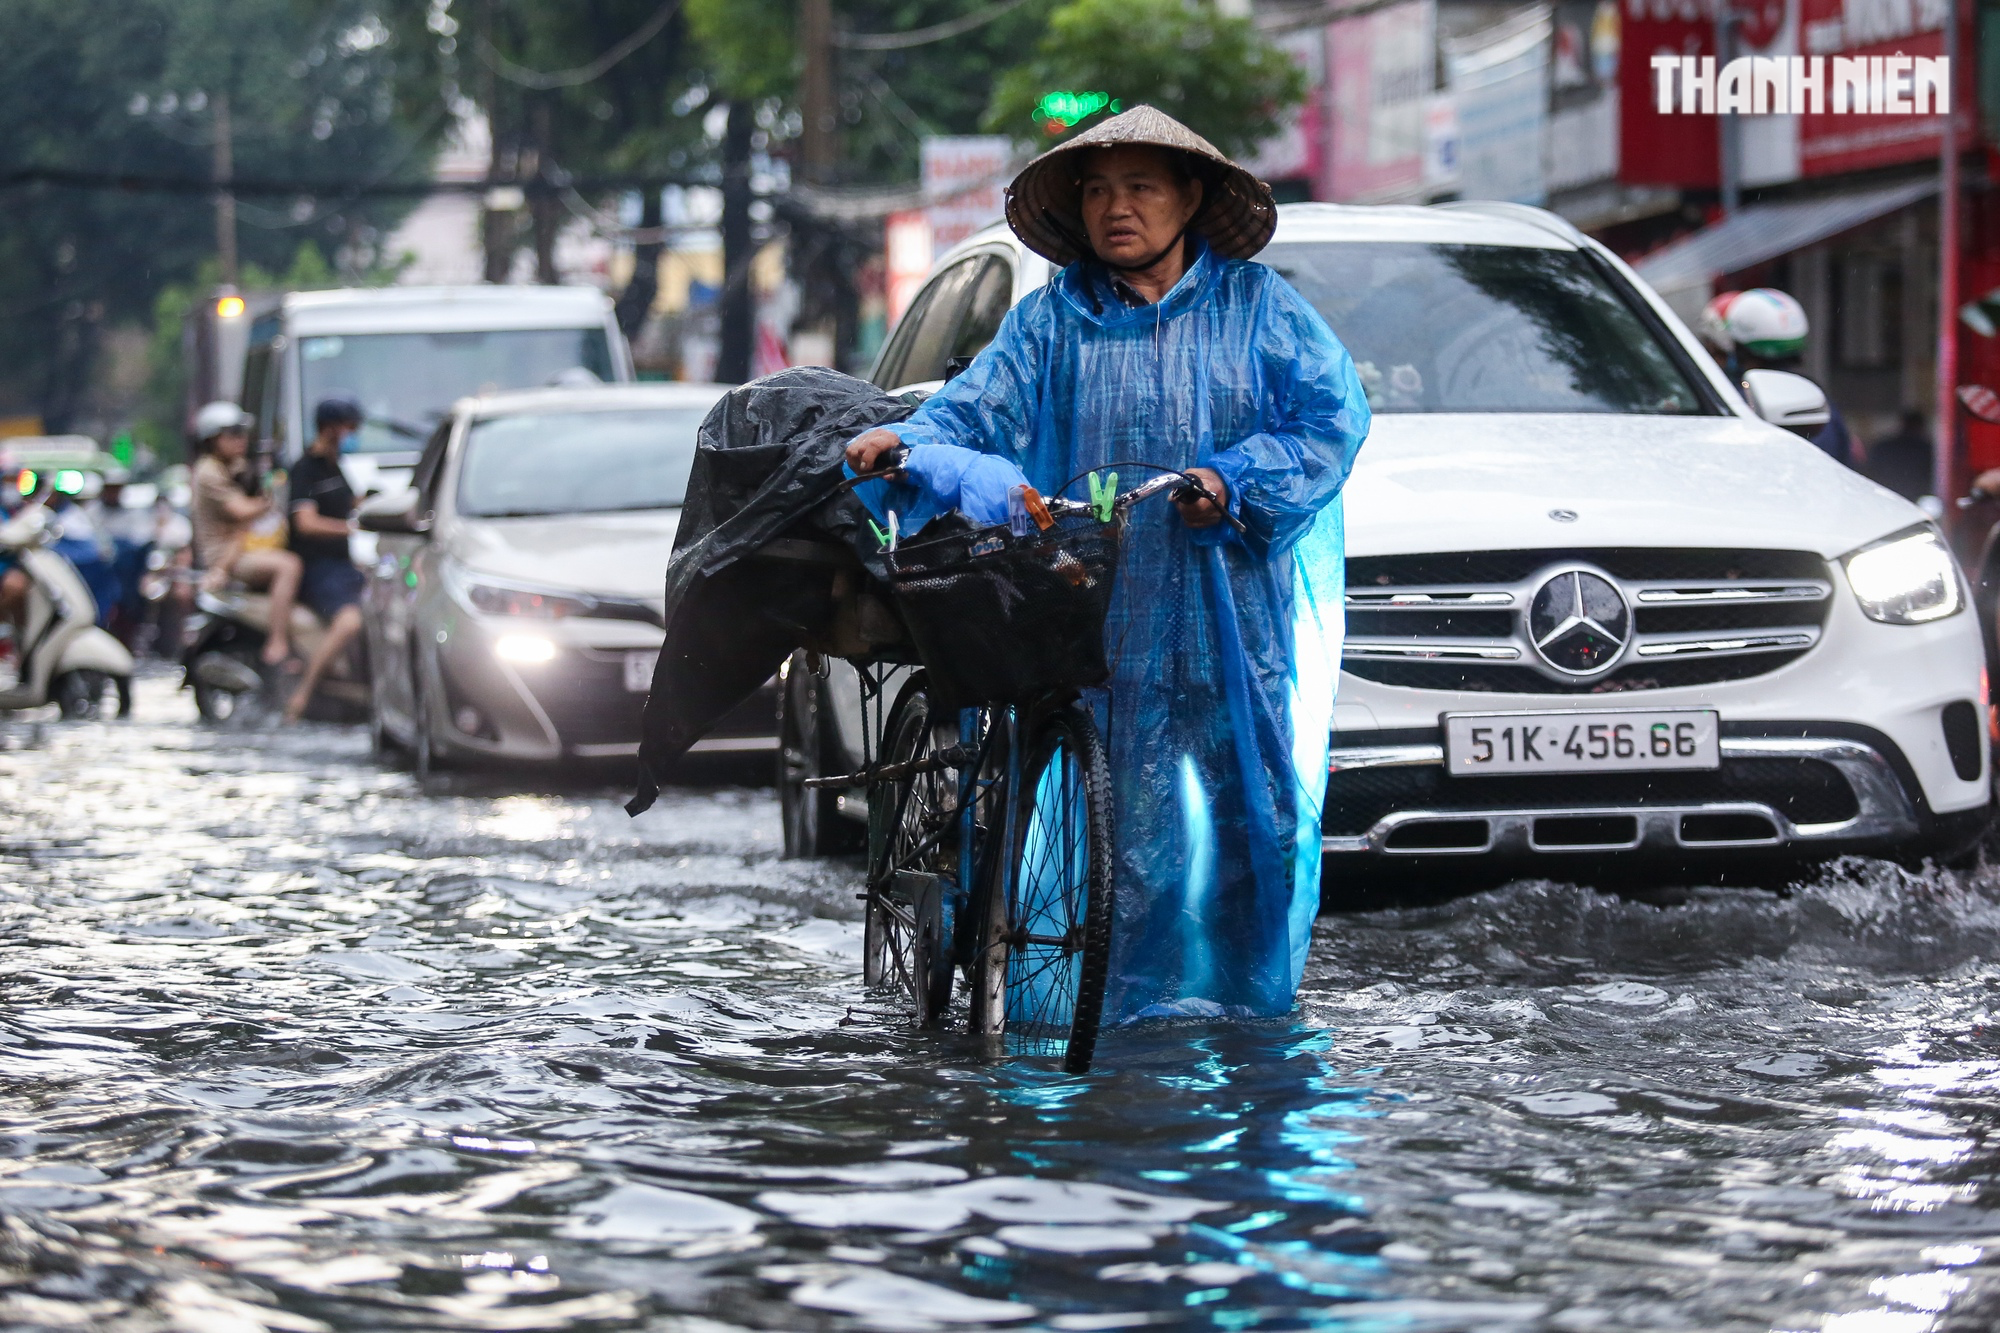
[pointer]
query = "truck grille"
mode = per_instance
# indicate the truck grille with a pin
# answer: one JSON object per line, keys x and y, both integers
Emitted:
{"x": 1657, "y": 618}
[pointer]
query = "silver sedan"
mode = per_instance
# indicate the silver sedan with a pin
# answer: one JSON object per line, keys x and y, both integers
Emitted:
{"x": 514, "y": 603}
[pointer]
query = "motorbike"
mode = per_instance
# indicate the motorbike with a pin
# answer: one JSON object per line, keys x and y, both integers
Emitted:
{"x": 62, "y": 655}
{"x": 223, "y": 660}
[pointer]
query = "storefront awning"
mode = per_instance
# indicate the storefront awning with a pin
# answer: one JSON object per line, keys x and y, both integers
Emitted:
{"x": 1764, "y": 231}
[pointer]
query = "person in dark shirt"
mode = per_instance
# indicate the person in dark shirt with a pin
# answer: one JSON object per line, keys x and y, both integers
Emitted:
{"x": 321, "y": 504}
{"x": 1902, "y": 461}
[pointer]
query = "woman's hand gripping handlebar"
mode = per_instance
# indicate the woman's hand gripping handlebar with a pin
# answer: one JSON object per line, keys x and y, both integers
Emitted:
{"x": 876, "y": 455}
{"x": 1200, "y": 494}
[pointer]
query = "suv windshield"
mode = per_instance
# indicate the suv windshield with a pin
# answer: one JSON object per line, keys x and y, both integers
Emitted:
{"x": 578, "y": 462}
{"x": 406, "y": 382}
{"x": 1488, "y": 328}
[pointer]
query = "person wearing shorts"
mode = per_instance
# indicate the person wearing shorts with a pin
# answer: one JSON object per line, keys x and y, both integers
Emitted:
{"x": 223, "y": 514}
{"x": 321, "y": 505}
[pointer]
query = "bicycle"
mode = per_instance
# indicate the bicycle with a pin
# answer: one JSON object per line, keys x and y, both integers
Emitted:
{"x": 990, "y": 826}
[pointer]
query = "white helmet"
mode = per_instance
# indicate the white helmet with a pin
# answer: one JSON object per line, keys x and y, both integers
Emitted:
{"x": 1763, "y": 321}
{"x": 218, "y": 417}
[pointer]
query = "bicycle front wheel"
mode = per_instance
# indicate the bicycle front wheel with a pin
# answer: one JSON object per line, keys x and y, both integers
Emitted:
{"x": 1052, "y": 943}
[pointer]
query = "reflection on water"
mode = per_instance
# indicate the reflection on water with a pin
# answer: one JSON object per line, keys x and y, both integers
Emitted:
{"x": 289, "y": 1045}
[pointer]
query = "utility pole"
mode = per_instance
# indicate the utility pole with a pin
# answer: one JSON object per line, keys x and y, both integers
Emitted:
{"x": 735, "y": 338}
{"x": 1947, "y": 468}
{"x": 1730, "y": 157}
{"x": 817, "y": 135}
{"x": 820, "y": 251}
{"x": 497, "y": 228}
{"x": 223, "y": 172}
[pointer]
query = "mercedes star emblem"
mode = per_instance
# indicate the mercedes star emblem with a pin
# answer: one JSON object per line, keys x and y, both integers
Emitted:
{"x": 1579, "y": 622}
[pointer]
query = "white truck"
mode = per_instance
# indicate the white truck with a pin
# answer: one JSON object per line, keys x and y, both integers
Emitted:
{"x": 406, "y": 354}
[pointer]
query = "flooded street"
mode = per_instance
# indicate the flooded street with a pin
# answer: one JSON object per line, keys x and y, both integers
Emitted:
{"x": 290, "y": 1044}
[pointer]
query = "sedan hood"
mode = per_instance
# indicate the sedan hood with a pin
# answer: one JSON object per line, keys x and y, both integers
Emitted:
{"x": 609, "y": 555}
{"x": 1481, "y": 483}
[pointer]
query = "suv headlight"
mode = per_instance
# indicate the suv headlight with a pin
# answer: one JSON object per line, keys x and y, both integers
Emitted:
{"x": 1907, "y": 579}
{"x": 500, "y": 599}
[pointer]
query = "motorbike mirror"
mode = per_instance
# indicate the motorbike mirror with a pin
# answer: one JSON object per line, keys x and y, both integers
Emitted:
{"x": 395, "y": 513}
{"x": 1785, "y": 399}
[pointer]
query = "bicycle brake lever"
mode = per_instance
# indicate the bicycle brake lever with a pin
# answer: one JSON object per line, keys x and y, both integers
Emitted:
{"x": 888, "y": 467}
{"x": 1192, "y": 491}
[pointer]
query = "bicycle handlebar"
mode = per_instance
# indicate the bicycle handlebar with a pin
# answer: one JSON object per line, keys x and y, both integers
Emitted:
{"x": 890, "y": 463}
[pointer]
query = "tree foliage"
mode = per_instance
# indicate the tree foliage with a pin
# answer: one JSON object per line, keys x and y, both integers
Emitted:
{"x": 318, "y": 90}
{"x": 1215, "y": 74}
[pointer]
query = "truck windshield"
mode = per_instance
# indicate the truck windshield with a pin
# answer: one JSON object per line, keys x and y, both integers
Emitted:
{"x": 1488, "y": 328}
{"x": 578, "y": 462}
{"x": 406, "y": 382}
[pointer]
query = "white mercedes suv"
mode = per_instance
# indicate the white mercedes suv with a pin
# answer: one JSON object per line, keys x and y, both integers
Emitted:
{"x": 1600, "y": 610}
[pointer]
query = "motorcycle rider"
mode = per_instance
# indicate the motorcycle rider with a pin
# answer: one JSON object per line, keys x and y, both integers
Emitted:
{"x": 1766, "y": 329}
{"x": 322, "y": 507}
{"x": 222, "y": 518}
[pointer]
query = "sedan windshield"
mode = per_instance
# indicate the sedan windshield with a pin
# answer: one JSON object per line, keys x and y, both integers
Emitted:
{"x": 578, "y": 462}
{"x": 1488, "y": 328}
{"x": 406, "y": 382}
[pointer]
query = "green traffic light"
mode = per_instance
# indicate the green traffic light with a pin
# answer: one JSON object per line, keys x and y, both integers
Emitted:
{"x": 1068, "y": 108}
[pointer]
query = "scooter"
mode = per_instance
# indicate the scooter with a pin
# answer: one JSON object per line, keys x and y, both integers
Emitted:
{"x": 224, "y": 660}
{"x": 62, "y": 656}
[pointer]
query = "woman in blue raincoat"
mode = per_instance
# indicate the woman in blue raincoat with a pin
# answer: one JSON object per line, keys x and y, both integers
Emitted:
{"x": 1160, "y": 342}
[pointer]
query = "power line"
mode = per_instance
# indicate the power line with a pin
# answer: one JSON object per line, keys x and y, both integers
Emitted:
{"x": 135, "y": 183}
{"x": 937, "y": 32}
{"x": 542, "y": 81}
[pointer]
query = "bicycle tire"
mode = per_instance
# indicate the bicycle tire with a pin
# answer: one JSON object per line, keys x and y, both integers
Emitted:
{"x": 1049, "y": 952}
{"x": 912, "y": 850}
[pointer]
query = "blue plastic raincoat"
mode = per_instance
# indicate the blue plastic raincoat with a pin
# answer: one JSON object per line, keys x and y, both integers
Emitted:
{"x": 1225, "y": 650}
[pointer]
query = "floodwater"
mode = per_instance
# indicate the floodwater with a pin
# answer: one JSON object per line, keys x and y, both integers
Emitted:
{"x": 288, "y": 1044}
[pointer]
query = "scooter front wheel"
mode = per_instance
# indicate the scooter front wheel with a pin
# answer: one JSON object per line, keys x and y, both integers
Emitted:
{"x": 80, "y": 694}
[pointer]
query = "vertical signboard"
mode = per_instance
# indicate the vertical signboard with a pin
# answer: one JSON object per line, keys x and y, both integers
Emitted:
{"x": 1380, "y": 75}
{"x": 965, "y": 176}
{"x": 1499, "y": 78}
{"x": 1295, "y": 152}
{"x": 907, "y": 252}
{"x": 1654, "y": 149}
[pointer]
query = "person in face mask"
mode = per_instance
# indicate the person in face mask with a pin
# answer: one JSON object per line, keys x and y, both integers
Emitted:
{"x": 321, "y": 504}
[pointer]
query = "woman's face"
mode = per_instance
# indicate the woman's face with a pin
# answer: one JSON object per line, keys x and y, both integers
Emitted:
{"x": 231, "y": 445}
{"x": 1134, "y": 203}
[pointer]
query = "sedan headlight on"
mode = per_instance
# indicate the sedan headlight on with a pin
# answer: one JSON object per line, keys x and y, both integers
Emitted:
{"x": 524, "y": 648}
{"x": 496, "y": 600}
{"x": 1908, "y": 579}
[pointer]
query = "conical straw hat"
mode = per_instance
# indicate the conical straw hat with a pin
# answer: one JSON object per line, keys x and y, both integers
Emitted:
{"x": 1044, "y": 204}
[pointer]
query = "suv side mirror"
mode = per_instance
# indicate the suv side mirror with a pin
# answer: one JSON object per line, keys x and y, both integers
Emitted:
{"x": 1787, "y": 400}
{"x": 395, "y": 513}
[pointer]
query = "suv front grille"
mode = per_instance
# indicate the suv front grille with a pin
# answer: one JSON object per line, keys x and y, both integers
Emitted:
{"x": 1805, "y": 791}
{"x": 1461, "y": 621}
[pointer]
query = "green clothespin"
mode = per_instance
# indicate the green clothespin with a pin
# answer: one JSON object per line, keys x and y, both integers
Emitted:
{"x": 881, "y": 533}
{"x": 1103, "y": 496}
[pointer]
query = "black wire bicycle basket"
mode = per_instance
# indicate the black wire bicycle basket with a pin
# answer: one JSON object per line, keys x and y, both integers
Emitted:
{"x": 999, "y": 619}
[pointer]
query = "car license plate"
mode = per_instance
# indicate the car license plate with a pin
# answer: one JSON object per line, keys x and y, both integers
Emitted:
{"x": 1479, "y": 744}
{"x": 639, "y": 671}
